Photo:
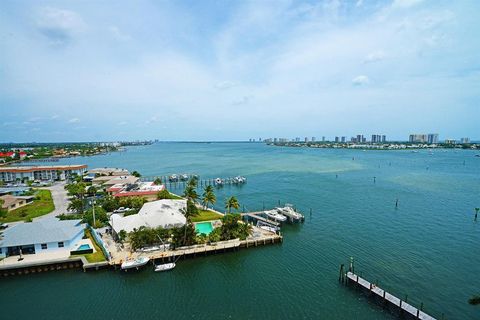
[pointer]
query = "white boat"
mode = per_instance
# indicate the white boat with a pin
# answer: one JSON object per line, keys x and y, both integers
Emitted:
{"x": 184, "y": 177}
{"x": 134, "y": 263}
{"x": 239, "y": 180}
{"x": 270, "y": 229}
{"x": 173, "y": 178}
{"x": 150, "y": 249}
{"x": 165, "y": 267}
{"x": 273, "y": 214}
{"x": 218, "y": 182}
{"x": 288, "y": 211}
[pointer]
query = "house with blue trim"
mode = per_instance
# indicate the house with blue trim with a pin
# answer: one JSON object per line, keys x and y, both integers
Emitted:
{"x": 42, "y": 236}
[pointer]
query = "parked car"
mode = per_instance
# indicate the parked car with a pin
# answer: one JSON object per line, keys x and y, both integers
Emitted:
{"x": 121, "y": 210}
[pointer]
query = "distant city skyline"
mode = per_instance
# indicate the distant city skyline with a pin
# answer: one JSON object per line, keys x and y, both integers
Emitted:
{"x": 230, "y": 70}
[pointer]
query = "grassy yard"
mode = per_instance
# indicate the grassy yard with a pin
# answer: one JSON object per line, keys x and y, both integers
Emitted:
{"x": 42, "y": 204}
{"x": 206, "y": 215}
{"x": 96, "y": 256}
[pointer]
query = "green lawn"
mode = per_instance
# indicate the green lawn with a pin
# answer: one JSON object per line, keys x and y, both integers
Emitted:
{"x": 175, "y": 197}
{"x": 206, "y": 215}
{"x": 97, "y": 256}
{"x": 42, "y": 205}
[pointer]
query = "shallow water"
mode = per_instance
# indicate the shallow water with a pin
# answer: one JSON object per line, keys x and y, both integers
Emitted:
{"x": 427, "y": 249}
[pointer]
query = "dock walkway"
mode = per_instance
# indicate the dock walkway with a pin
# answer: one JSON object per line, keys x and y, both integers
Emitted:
{"x": 257, "y": 217}
{"x": 399, "y": 303}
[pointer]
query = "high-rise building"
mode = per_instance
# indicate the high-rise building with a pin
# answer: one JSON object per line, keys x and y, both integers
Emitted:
{"x": 465, "y": 140}
{"x": 384, "y": 138}
{"x": 337, "y": 139}
{"x": 432, "y": 138}
{"x": 297, "y": 139}
{"x": 418, "y": 138}
{"x": 323, "y": 139}
{"x": 314, "y": 139}
{"x": 306, "y": 139}
{"x": 344, "y": 139}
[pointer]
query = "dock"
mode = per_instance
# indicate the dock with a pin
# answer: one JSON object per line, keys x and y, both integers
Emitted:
{"x": 389, "y": 298}
{"x": 203, "y": 250}
{"x": 256, "y": 216}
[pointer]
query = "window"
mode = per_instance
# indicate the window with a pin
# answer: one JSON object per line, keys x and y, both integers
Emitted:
{"x": 44, "y": 246}
{"x": 60, "y": 244}
{"x": 0, "y": 250}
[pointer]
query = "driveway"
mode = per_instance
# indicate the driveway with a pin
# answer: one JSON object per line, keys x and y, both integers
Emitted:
{"x": 60, "y": 199}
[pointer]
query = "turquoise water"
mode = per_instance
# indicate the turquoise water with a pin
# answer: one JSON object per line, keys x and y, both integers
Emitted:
{"x": 84, "y": 247}
{"x": 428, "y": 248}
{"x": 204, "y": 227}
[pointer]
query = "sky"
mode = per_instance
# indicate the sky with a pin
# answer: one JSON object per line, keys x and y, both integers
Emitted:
{"x": 234, "y": 70}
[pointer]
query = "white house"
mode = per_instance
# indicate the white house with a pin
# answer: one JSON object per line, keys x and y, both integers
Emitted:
{"x": 161, "y": 213}
{"x": 43, "y": 236}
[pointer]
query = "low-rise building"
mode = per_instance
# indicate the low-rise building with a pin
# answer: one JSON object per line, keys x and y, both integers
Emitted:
{"x": 148, "y": 190}
{"x": 14, "y": 202}
{"x": 109, "y": 172}
{"x": 161, "y": 213}
{"x": 43, "y": 236}
{"x": 11, "y": 174}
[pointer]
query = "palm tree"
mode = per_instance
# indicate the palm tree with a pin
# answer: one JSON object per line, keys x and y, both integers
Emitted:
{"x": 190, "y": 193}
{"x": 193, "y": 182}
{"x": 208, "y": 196}
{"x": 232, "y": 202}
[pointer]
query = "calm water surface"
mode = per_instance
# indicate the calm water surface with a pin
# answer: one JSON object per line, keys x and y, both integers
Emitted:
{"x": 428, "y": 248}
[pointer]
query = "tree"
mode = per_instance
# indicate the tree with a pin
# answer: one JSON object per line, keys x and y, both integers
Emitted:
{"x": 232, "y": 202}
{"x": 122, "y": 235}
{"x": 190, "y": 193}
{"x": 190, "y": 211}
{"x": 136, "y": 174}
{"x": 208, "y": 196}
{"x": 3, "y": 212}
{"x": 193, "y": 182}
{"x": 184, "y": 236}
{"x": 157, "y": 181}
{"x": 163, "y": 194}
{"x": 92, "y": 191}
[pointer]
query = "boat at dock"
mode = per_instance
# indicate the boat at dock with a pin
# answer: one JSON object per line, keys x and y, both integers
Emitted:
{"x": 134, "y": 263}
{"x": 173, "y": 178}
{"x": 290, "y": 212}
{"x": 184, "y": 177}
{"x": 274, "y": 215}
{"x": 218, "y": 182}
{"x": 164, "y": 267}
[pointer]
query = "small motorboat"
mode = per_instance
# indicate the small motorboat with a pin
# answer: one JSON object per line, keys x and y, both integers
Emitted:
{"x": 134, "y": 263}
{"x": 239, "y": 180}
{"x": 218, "y": 182}
{"x": 269, "y": 229}
{"x": 273, "y": 214}
{"x": 184, "y": 177}
{"x": 150, "y": 249}
{"x": 173, "y": 178}
{"x": 165, "y": 267}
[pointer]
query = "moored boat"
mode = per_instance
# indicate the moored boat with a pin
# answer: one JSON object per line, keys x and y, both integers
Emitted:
{"x": 165, "y": 267}
{"x": 218, "y": 182}
{"x": 173, "y": 178}
{"x": 134, "y": 263}
{"x": 274, "y": 215}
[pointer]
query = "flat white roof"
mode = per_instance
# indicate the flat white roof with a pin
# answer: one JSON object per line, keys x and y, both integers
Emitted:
{"x": 161, "y": 213}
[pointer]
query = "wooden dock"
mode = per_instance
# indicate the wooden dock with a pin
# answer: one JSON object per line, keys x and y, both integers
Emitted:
{"x": 204, "y": 250}
{"x": 388, "y": 297}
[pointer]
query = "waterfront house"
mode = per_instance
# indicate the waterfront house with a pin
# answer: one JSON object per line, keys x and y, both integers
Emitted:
{"x": 14, "y": 202}
{"x": 46, "y": 235}
{"x": 161, "y": 213}
{"x": 147, "y": 190}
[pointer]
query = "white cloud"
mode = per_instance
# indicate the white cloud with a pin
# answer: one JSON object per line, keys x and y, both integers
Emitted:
{"x": 59, "y": 25}
{"x": 119, "y": 35}
{"x": 223, "y": 85}
{"x": 74, "y": 120}
{"x": 374, "y": 57}
{"x": 405, "y": 3}
{"x": 360, "y": 80}
{"x": 55, "y": 116}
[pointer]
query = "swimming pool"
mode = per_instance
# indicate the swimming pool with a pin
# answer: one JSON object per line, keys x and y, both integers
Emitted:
{"x": 204, "y": 227}
{"x": 84, "y": 247}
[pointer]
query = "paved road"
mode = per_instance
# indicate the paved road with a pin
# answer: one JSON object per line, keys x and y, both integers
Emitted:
{"x": 60, "y": 199}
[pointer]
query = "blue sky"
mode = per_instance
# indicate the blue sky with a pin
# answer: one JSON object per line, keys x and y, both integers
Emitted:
{"x": 232, "y": 70}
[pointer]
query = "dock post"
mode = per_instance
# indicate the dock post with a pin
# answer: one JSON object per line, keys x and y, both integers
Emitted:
{"x": 340, "y": 278}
